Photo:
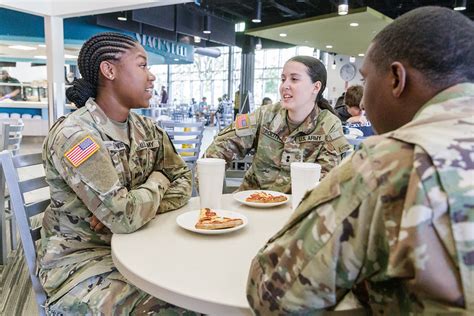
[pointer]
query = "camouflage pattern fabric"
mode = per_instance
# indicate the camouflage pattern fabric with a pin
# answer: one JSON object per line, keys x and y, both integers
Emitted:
{"x": 318, "y": 139}
{"x": 90, "y": 298}
{"x": 394, "y": 223}
{"x": 125, "y": 183}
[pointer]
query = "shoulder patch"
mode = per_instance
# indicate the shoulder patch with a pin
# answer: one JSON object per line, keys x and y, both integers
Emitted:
{"x": 81, "y": 151}
{"x": 242, "y": 121}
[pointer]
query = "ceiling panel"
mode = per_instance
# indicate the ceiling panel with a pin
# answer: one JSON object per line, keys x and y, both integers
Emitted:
{"x": 330, "y": 29}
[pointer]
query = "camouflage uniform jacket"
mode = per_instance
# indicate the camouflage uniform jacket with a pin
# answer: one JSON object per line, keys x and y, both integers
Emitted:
{"x": 318, "y": 139}
{"x": 396, "y": 218}
{"x": 118, "y": 184}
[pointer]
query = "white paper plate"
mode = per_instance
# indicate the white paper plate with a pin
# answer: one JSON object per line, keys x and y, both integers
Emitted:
{"x": 189, "y": 219}
{"x": 242, "y": 195}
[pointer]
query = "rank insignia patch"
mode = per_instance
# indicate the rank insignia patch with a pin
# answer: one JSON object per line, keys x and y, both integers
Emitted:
{"x": 81, "y": 151}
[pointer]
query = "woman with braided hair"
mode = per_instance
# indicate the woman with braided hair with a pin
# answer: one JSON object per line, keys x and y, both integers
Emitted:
{"x": 110, "y": 171}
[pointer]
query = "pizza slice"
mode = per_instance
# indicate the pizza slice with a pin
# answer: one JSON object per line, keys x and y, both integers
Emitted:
{"x": 208, "y": 219}
{"x": 263, "y": 197}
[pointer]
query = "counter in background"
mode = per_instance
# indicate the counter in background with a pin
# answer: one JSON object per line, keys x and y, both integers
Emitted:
{"x": 33, "y": 127}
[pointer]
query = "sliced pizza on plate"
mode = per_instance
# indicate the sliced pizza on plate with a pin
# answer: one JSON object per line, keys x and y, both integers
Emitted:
{"x": 263, "y": 197}
{"x": 208, "y": 219}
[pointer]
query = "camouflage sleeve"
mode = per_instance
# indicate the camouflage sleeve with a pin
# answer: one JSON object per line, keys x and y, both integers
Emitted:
{"x": 173, "y": 166}
{"x": 335, "y": 239}
{"x": 335, "y": 145}
{"x": 234, "y": 143}
{"x": 96, "y": 183}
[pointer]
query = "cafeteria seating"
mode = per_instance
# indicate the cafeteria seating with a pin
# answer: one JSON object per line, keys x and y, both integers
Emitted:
{"x": 26, "y": 212}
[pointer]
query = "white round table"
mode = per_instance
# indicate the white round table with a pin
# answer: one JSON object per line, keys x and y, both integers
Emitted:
{"x": 204, "y": 273}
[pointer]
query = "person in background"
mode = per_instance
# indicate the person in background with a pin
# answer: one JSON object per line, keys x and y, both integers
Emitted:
{"x": 341, "y": 109}
{"x": 236, "y": 102}
{"x": 396, "y": 219}
{"x": 110, "y": 171}
{"x": 352, "y": 99}
{"x": 301, "y": 127}
{"x": 12, "y": 92}
{"x": 266, "y": 101}
{"x": 164, "y": 95}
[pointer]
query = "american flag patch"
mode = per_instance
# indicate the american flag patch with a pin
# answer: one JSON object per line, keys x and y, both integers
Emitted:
{"x": 82, "y": 151}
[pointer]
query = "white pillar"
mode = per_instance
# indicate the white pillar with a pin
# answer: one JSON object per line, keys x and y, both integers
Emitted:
{"x": 54, "y": 39}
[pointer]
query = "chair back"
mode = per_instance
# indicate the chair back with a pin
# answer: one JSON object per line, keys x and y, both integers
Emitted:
{"x": 11, "y": 136}
{"x": 187, "y": 138}
{"x": 23, "y": 212}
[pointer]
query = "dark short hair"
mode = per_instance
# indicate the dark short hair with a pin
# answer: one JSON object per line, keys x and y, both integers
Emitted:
{"x": 436, "y": 41}
{"x": 353, "y": 96}
{"x": 98, "y": 48}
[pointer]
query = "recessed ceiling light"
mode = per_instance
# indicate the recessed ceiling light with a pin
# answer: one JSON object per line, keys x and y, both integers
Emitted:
{"x": 22, "y": 47}
{"x": 122, "y": 18}
{"x": 39, "y": 57}
{"x": 328, "y": 46}
{"x": 283, "y": 34}
{"x": 354, "y": 24}
{"x": 361, "y": 55}
{"x": 459, "y": 5}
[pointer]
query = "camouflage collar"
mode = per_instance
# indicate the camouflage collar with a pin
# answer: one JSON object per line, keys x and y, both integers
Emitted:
{"x": 280, "y": 127}
{"x": 103, "y": 123}
{"x": 456, "y": 91}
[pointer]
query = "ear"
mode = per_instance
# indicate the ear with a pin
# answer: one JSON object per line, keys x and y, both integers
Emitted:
{"x": 317, "y": 87}
{"x": 399, "y": 78}
{"x": 107, "y": 69}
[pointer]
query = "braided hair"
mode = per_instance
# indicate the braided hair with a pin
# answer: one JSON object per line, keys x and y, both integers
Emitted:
{"x": 317, "y": 72}
{"x": 98, "y": 48}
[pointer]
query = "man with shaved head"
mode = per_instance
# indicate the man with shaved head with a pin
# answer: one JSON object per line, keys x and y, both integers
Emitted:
{"x": 394, "y": 223}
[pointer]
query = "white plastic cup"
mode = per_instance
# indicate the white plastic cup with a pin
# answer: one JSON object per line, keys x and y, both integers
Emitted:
{"x": 304, "y": 177}
{"x": 211, "y": 179}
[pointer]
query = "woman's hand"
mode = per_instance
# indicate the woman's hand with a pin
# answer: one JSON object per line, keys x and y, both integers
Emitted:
{"x": 95, "y": 224}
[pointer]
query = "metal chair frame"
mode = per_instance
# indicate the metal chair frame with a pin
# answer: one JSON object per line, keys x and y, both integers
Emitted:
{"x": 24, "y": 211}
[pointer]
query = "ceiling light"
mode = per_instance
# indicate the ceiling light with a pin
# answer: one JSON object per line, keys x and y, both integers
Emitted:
{"x": 240, "y": 27}
{"x": 354, "y": 24}
{"x": 258, "y": 13}
{"x": 39, "y": 57}
{"x": 258, "y": 46}
{"x": 207, "y": 25}
{"x": 70, "y": 56}
{"x": 283, "y": 34}
{"x": 460, "y": 5}
{"x": 122, "y": 16}
{"x": 343, "y": 7}
{"x": 352, "y": 59}
{"x": 328, "y": 46}
{"x": 197, "y": 39}
{"x": 361, "y": 55}
{"x": 22, "y": 47}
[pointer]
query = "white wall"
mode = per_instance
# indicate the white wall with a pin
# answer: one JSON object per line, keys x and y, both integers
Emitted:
{"x": 335, "y": 85}
{"x": 25, "y": 73}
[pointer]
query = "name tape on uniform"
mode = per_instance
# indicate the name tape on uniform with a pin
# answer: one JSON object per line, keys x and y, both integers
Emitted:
{"x": 310, "y": 138}
{"x": 81, "y": 151}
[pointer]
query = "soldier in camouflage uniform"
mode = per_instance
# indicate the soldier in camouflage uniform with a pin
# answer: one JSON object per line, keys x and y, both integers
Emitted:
{"x": 298, "y": 128}
{"x": 110, "y": 171}
{"x": 396, "y": 219}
